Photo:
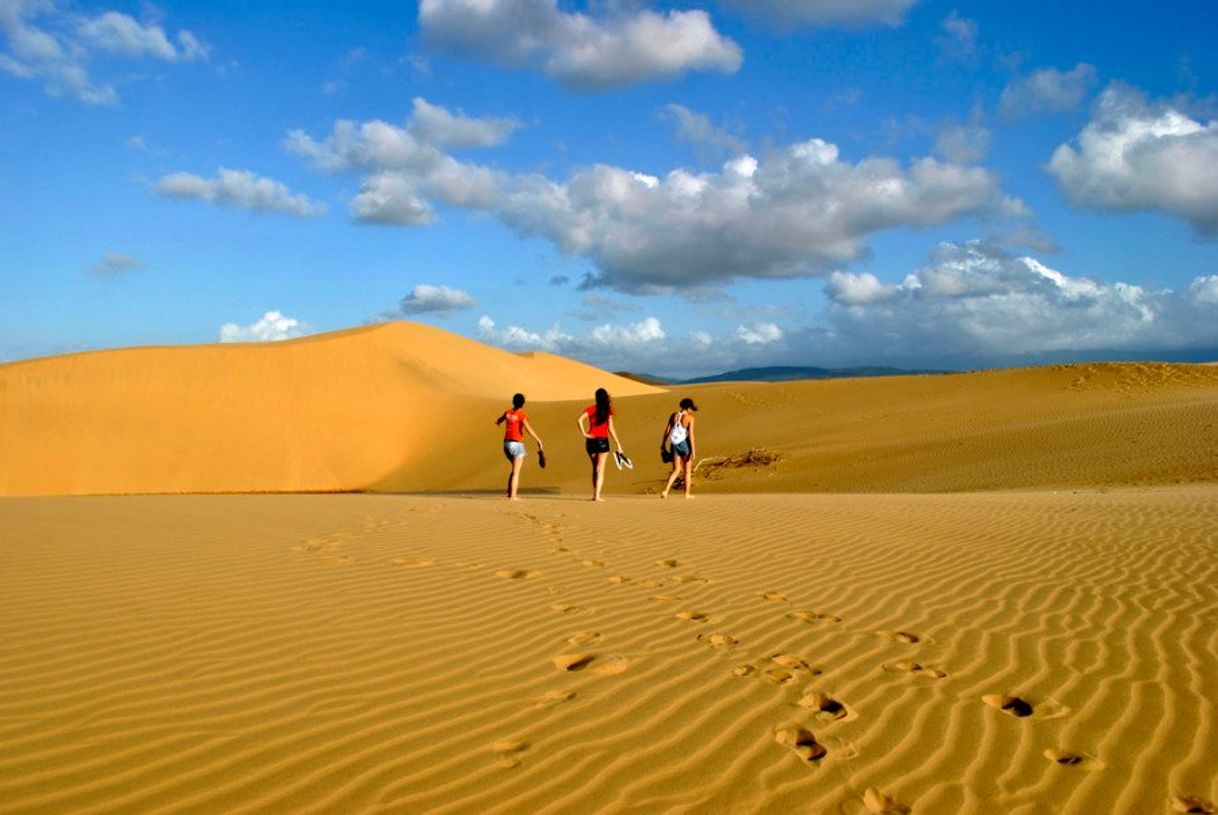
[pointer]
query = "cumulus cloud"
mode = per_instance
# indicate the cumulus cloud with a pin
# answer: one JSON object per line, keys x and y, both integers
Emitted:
{"x": 696, "y": 129}
{"x": 973, "y": 301}
{"x": 1137, "y": 155}
{"x": 613, "y": 49}
{"x": 428, "y": 299}
{"x": 1046, "y": 91}
{"x": 272, "y": 326}
{"x": 436, "y": 125}
{"x": 799, "y": 210}
{"x": 115, "y": 264}
{"x": 241, "y": 189}
{"x": 1204, "y": 290}
{"x": 759, "y": 333}
{"x": 643, "y": 346}
{"x": 48, "y": 42}
{"x": 825, "y": 13}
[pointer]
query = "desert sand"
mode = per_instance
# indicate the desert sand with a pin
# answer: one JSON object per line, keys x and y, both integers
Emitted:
{"x": 987, "y": 592}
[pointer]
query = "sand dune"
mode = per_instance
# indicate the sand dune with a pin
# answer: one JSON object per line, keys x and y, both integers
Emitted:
{"x": 983, "y": 653}
{"x": 330, "y": 412}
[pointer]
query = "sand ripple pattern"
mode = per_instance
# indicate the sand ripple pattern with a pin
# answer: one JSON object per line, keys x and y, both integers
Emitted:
{"x": 1014, "y": 652}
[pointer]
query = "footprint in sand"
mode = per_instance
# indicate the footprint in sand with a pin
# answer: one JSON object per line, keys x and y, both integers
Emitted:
{"x": 903, "y": 637}
{"x": 619, "y": 579}
{"x": 516, "y": 574}
{"x": 591, "y": 663}
{"x": 594, "y": 564}
{"x": 693, "y": 616}
{"x": 747, "y": 669}
{"x": 565, "y": 608}
{"x": 414, "y": 562}
{"x": 1022, "y": 708}
{"x": 773, "y": 596}
{"x": 802, "y": 742}
{"x": 509, "y": 751}
{"x": 559, "y": 550}
{"x": 554, "y": 697}
{"x": 914, "y": 669}
{"x": 719, "y": 640}
{"x": 651, "y": 583}
{"x": 813, "y": 617}
{"x": 881, "y": 804}
{"x": 1067, "y": 758}
{"x": 668, "y": 563}
{"x": 1193, "y": 804}
{"x": 689, "y": 578}
{"x": 788, "y": 668}
{"x": 826, "y": 708}
{"x": 585, "y": 638}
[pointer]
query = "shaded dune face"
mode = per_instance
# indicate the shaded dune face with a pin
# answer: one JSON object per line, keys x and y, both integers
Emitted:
{"x": 408, "y": 407}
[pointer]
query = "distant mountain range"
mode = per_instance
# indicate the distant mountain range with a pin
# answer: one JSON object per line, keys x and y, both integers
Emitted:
{"x": 780, "y": 373}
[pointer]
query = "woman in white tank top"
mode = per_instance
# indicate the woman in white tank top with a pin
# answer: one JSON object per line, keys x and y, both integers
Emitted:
{"x": 678, "y": 445}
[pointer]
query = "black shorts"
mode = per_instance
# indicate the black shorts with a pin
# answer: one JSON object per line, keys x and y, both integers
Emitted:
{"x": 598, "y": 444}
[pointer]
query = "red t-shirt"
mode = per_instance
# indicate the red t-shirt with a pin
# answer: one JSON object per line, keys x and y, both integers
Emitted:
{"x": 513, "y": 421}
{"x": 597, "y": 431}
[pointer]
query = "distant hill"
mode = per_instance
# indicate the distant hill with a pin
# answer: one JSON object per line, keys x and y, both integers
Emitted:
{"x": 779, "y": 373}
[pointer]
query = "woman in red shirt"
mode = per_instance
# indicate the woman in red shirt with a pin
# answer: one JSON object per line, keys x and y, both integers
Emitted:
{"x": 596, "y": 424}
{"x": 515, "y": 420}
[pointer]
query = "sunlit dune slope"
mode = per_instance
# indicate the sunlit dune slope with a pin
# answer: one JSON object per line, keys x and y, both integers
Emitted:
{"x": 329, "y": 412}
{"x": 1061, "y": 426}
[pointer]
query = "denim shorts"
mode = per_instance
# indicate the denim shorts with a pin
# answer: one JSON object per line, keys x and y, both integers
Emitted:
{"x": 513, "y": 449}
{"x": 681, "y": 449}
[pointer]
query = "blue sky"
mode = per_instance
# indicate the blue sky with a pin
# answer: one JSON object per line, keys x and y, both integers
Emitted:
{"x": 677, "y": 188}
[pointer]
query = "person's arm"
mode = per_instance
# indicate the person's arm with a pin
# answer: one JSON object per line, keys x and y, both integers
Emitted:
{"x": 693, "y": 449}
{"x": 613, "y": 433}
{"x": 583, "y": 417}
{"x": 528, "y": 427}
{"x": 502, "y": 418}
{"x": 667, "y": 432}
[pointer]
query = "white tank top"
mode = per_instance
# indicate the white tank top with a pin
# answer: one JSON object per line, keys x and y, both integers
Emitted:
{"x": 679, "y": 432}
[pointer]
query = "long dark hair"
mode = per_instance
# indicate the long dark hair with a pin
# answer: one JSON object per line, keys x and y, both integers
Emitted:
{"x": 603, "y": 407}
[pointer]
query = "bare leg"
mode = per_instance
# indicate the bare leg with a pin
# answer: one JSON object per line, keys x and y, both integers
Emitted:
{"x": 689, "y": 476}
{"x": 598, "y": 475}
{"x": 514, "y": 478}
{"x": 672, "y": 477}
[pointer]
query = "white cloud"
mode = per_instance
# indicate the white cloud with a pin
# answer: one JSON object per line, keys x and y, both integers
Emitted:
{"x": 433, "y": 124}
{"x": 824, "y": 13}
{"x": 1134, "y": 155}
{"x": 963, "y": 143}
{"x": 959, "y": 38}
{"x": 973, "y": 301}
{"x": 117, "y": 263}
{"x": 645, "y": 331}
{"x": 49, "y": 42}
{"x": 241, "y": 189}
{"x": 428, "y": 299}
{"x": 850, "y": 289}
{"x": 616, "y": 48}
{"x": 797, "y": 211}
{"x": 759, "y": 333}
{"x": 117, "y": 33}
{"x": 1047, "y": 91}
{"x": 271, "y": 327}
{"x": 1204, "y": 290}
{"x": 697, "y": 130}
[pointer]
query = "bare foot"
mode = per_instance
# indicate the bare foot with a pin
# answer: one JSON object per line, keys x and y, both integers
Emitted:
{"x": 598, "y": 499}
{"x": 687, "y": 495}
{"x": 664, "y": 494}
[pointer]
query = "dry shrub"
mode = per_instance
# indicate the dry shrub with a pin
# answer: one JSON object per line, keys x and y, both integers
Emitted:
{"x": 718, "y": 467}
